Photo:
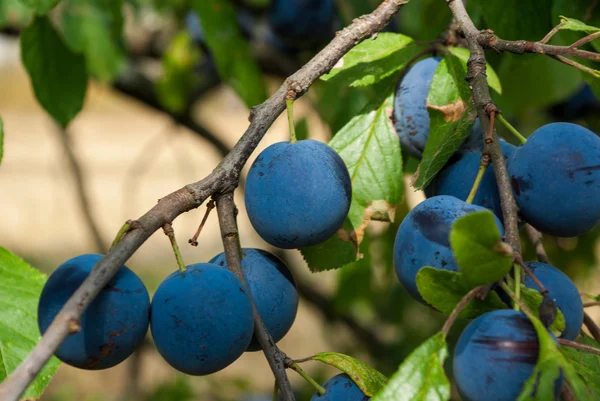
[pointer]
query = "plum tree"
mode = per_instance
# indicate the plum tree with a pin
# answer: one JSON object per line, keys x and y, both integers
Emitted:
{"x": 298, "y": 194}
{"x": 555, "y": 178}
{"x": 272, "y": 288}
{"x": 457, "y": 177}
{"x": 495, "y": 355}
{"x": 423, "y": 238}
{"x": 302, "y": 23}
{"x": 201, "y": 319}
{"x": 564, "y": 293}
{"x": 114, "y": 324}
{"x": 341, "y": 388}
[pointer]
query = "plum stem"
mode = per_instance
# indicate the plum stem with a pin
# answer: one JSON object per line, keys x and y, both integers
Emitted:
{"x": 511, "y": 128}
{"x": 460, "y": 306}
{"x": 309, "y": 379}
{"x": 517, "y": 286}
{"x": 169, "y": 232}
{"x": 478, "y": 179}
{"x": 289, "y": 104}
{"x": 194, "y": 240}
{"x": 589, "y": 304}
{"x": 513, "y": 296}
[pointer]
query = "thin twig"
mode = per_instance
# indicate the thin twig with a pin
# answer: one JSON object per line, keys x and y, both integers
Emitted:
{"x": 586, "y": 39}
{"x": 579, "y": 346}
{"x": 577, "y": 65}
{"x": 592, "y": 326}
{"x": 81, "y": 190}
{"x": 537, "y": 282}
{"x": 589, "y": 304}
{"x": 209, "y": 206}
{"x": 551, "y": 34}
{"x": 223, "y": 179}
{"x": 460, "y": 306}
{"x": 535, "y": 237}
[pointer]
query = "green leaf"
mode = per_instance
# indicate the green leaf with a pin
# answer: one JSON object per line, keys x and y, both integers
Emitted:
{"x": 586, "y": 364}
{"x": 571, "y": 24}
{"x": 1, "y": 139}
{"x": 41, "y": 7}
{"x": 443, "y": 289}
{"x": 231, "y": 52}
{"x": 478, "y": 248}
{"x": 369, "y": 146}
{"x": 533, "y": 299}
{"x": 179, "y": 79}
{"x": 551, "y": 364}
{"x": 492, "y": 78}
{"x": 516, "y": 19}
{"x": 374, "y": 60}
{"x": 421, "y": 376}
{"x": 93, "y": 28}
{"x": 367, "y": 378}
{"x": 14, "y": 13}
{"x": 20, "y": 288}
{"x": 451, "y": 115}
{"x": 58, "y": 75}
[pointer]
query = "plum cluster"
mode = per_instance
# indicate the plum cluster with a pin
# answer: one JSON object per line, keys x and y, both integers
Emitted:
{"x": 555, "y": 179}
{"x": 201, "y": 318}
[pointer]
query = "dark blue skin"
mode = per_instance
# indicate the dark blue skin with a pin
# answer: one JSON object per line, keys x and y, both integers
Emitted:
{"x": 457, "y": 178}
{"x": 341, "y": 388}
{"x": 583, "y": 103}
{"x": 112, "y": 326}
{"x": 563, "y": 292}
{"x": 555, "y": 178}
{"x": 423, "y": 239}
{"x": 273, "y": 289}
{"x": 494, "y": 357}
{"x": 303, "y": 23}
{"x": 298, "y": 195}
{"x": 201, "y": 319}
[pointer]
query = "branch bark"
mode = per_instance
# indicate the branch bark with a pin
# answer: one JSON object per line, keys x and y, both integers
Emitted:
{"x": 224, "y": 179}
{"x": 476, "y": 76}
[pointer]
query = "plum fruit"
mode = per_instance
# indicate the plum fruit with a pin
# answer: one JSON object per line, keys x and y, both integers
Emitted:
{"x": 423, "y": 238}
{"x": 457, "y": 178}
{"x": 112, "y": 326}
{"x": 563, "y": 292}
{"x": 555, "y": 178}
{"x": 495, "y": 355}
{"x": 341, "y": 388}
{"x": 303, "y": 23}
{"x": 201, "y": 319}
{"x": 272, "y": 288}
{"x": 298, "y": 194}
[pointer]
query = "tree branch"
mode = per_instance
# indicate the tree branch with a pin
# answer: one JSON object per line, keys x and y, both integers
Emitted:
{"x": 227, "y": 212}
{"x": 477, "y": 79}
{"x": 222, "y": 180}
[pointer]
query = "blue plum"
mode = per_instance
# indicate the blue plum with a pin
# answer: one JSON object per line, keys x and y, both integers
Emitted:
{"x": 299, "y": 194}
{"x": 555, "y": 178}
{"x": 272, "y": 288}
{"x": 112, "y": 326}
{"x": 341, "y": 388}
{"x": 423, "y": 238}
{"x": 201, "y": 319}
{"x": 495, "y": 355}
{"x": 457, "y": 178}
{"x": 303, "y": 23}
{"x": 583, "y": 103}
{"x": 410, "y": 116}
{"x": 563, "y": 292}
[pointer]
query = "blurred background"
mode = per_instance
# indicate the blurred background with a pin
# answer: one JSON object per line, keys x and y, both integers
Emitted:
{"x": 166, "y": 119}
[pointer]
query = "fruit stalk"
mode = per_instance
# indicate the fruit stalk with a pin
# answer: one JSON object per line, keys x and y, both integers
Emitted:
{"x": 227, "y": 212}
{"x": 512, "y": 129}
{"x": 309, "y": 379}
{"x": 169, "y": 232}
{"x": 289, "y": 104}
{"x": 480, "y": 173}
